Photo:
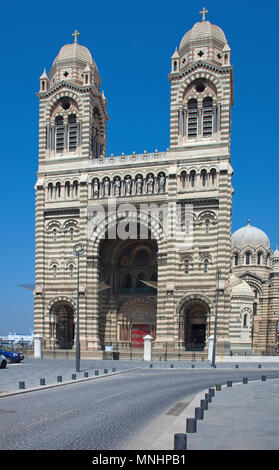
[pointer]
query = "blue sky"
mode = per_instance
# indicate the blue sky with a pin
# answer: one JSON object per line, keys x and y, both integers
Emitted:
{"x": 132, "y": 43}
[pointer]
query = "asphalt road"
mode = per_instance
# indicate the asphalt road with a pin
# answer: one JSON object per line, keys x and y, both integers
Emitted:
{"x": 104, "y": 414}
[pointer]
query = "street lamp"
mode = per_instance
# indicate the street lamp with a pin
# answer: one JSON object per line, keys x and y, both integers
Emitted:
{"x": 78, "y": 251}
{"x": 218, "y": 277}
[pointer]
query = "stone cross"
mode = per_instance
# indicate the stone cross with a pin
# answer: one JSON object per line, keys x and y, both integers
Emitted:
{"x": 75, "y": 34}
{"x": 203, "y": 13}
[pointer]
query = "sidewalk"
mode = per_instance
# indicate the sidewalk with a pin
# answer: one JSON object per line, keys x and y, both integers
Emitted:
{"x": 241, "y": 417}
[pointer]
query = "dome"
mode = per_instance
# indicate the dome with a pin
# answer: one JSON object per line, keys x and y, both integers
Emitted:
{"x": 250, "y": 236}
{"x": 240, "y": 288}
{"x": 203, "y": 31}
{"x": 74, "y": 51}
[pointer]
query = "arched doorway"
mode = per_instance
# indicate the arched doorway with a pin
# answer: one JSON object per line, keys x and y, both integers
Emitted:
{"x": 64, "y": 330}
{"x": 193, "y": 324}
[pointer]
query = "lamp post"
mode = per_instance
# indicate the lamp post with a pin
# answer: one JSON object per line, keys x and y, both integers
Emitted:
{"x": 218, "y": 277}
{"x": 78, "y": 251}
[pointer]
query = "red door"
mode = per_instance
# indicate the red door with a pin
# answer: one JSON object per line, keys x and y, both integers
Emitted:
{"x": 138, "y": 332}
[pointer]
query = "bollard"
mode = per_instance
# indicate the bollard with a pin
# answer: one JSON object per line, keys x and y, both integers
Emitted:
{"x": 245, "y": 380}
{"x": 59, "y": 378}
{"x": 236, "y": 366}
{"x": 259, "y": 366}
{"x": 199, "y": 413}
{"x": 263, "y": 378}
{"x": 218, "y": 387}
{"x": 191, "y": 425}
{"x": 229, "y": 383}
{"x": 96, "y": 372}
{"x": 180, "y": 442}
{"x": 150, "y": 365}
{"x": 113, "y": 369}
{"x": 21, "y": 385}
{"x": 105, "y": 371}
{"x": 74, "y": 376}
{"x": 193, "y": 366}
{"x": 42, "y": 381}
{"x": 204, "y": 404}
{"x": 171, "y": 366}
{"x": 211, "y": 392}
{"x": 85, "y": 374}
{"x": 208, "y": 397}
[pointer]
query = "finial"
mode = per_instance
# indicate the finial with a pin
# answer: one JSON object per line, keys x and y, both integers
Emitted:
{"x": 248, "y": 222}
{"x": 203, "y": 13}
{"x": 75, "y": 34}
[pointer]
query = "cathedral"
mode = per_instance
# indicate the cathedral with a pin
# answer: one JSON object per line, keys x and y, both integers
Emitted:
{"x": 157, "y": 257}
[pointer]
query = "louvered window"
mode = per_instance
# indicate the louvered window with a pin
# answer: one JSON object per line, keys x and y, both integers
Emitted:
{"x": 73, "y": 132}
{"x": 60, "y": 134}
{"x": 192, "y": 119}
{"x": 207, "y": 117}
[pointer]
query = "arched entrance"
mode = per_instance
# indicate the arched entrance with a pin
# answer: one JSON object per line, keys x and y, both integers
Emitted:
{"x": 136, "y": 318}
{"x": 193, "y": 323}
{"x": 62, "y": 313}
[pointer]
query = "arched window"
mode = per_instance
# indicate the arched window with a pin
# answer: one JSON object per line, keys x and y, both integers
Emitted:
{"x": 73, "y": 132}
{"x": 71, "y": 270}
{"x": 203, "y": 177}
{"x": 192, "y": 118}
{"x": 205, "y": 266}
{"x": 54, "y": 233}
{"x": 75, "y": 188}
{"x": 54, "y": 271}
{"x": 58, "y": 190}
{"x": 248, "y": 258}
{"x": 207, "y": 222}
{"x": 71, "y": 233}
{"x": 259, "y": 258}
{"x": 186, "y": 269}
{"x": 183, "y": 179}
{"x": 245, "y": 318}
{"x": 59, "y": 134}
{"x": 192, "y": 178}
{"x": 236, "y": 259}
{"x": 50, "y": 191}
{"x": 207, "y": 117}
{"x": 68, "y": 189}
{"x": 213, "y": 176}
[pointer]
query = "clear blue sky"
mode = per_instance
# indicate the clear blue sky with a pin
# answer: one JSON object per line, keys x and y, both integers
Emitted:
{"x": 132, "y": 43}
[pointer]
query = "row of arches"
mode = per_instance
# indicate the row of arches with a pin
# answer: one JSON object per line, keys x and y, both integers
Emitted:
{"x": 198, "y": 179}
{"x": 249, "y": 256}
{"x": 129, "y": 185}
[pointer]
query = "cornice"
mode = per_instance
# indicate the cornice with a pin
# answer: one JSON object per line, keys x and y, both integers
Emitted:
{"x": 71, "y": 86}
{"x": 200, "y": 64}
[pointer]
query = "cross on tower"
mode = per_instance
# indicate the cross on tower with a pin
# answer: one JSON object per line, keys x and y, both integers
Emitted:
{"x": 203, "y": 13}
{"x": 76, "y": 34}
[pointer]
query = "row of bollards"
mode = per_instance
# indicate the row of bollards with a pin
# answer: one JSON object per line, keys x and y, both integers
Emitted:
{"x": 21, "y": 384}
{"x": 180, "y": 439}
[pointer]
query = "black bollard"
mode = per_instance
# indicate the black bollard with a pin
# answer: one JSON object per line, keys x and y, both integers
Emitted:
{"x": 199, "y": 413}
{"x": 42, "y": 381}
{"x": 204, "y": 404}
{"x": 180, "y": 442}
{"x": 59, "y": 378}
{"x": 259, "y": 366}
{"x": 85, "y": 374}
{"x": 171, "y": 366}
{"x": 229, "y": 383}
{"x": 113, "y": 369}
{"x": 105, "y": 371}
{"x": 263, "y": 378}
{"x": 245, "y": 380}
{"x": 208, "y": 397}
{"x": 191, "y": 425}
{"x": 21, "y": 385}
{"x": 193, "y": 366}
{"x": 74, "y": 376}
{"x": 218, "y": 387}
{"x": 96, "y": 372}
{"x": 211, "y": 392}
{"x": 150, "y": 365}
{"x": 236, "y": 366}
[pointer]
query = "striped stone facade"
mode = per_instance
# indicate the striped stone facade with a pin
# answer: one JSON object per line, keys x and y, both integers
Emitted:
{"x": 162, "y": 279}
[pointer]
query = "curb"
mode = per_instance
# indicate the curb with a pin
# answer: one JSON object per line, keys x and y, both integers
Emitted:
{"x": 61, "y": 384}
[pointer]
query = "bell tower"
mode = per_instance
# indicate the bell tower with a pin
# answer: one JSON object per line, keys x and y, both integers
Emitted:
{"x": 73, "y": 116}
{"x": 201, "y": 81}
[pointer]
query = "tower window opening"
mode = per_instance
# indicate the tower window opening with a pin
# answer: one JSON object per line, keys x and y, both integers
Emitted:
{"x": 245, "y": 320}
{"x": 207, "y": 226}
{"x": 248, "y": 258}
{"x": 192, "y": 178}
{"x": 203, "y": 177}
{"x": 73, "y": 131}
{"x": 259, "y": 258}
{"x": 186, "y": 267}
{"x": 193, "y": 118}
{"x": 60, "y": 134}
{"x": 236, "y": 259}
{"x": 207, "y": 117}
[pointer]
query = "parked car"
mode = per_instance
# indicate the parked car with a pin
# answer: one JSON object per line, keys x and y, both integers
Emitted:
{"x": 12, "y": 356}
{"x": 3, "y": 362}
